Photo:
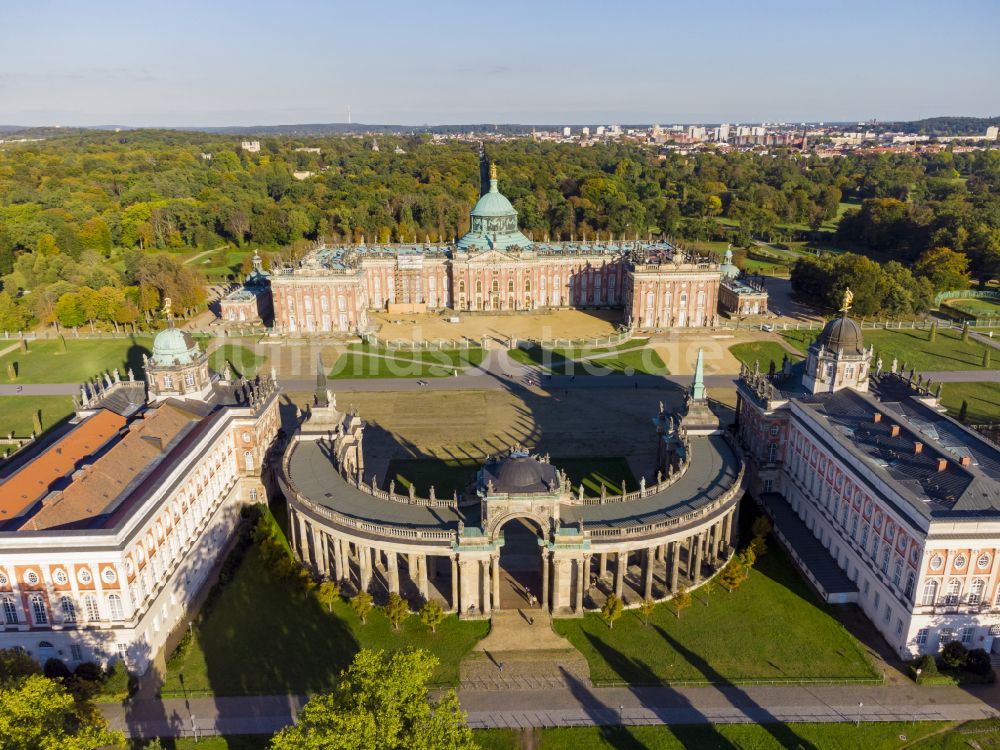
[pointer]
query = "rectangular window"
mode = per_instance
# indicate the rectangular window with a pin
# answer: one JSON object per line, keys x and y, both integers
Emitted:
{"x": 878, "y": 600}
{"x": 967, "y": 633}
{"x": 874, "y": 550}
{"x": 922, "y": 637}
{"x": 885, "y": 559}
{"x": 867, "y": 588}
{"x": 888, "y": 613}
{"x": 899, "y": 627}
{"x": 123, "y": 652}
{"x": 75, "y": 652}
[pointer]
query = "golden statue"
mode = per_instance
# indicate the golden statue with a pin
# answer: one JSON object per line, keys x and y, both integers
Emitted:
{"x": 848, "y": 299}
{"x": 493, "y": 170}
{"x": 166, "y": 306}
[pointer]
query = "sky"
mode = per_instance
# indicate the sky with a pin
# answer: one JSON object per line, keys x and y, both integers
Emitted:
{"x": 217, "y": 62}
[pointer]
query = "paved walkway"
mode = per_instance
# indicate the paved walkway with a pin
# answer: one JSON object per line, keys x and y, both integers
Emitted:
{"x": 579, "y": 705}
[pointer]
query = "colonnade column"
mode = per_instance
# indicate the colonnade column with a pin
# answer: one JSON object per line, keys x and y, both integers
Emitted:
{"x": 454, "y": 584}
{"x": 602, "y": 566}
{"x": 365, "y": 566}
{"x": 345, "y": 559}
{"x": 484, "y": 567}
{"x": 621, "y": 559}
{"x": 675, "y": 566}
{"x": 496, "y": 581}
{"x": 422, "y": 576}
{"x": 580, "y": 575}
{"x": 303, "y": 540}
{"x": 727, "y": 528}
{"x": 648, "y": 583}
{"x": 697, "y": 558}
{"x": 467, "y": 584}
{"x": 319, "y": 545}
{"x": 392, "y": 565}
{"x": 545, "y": 581}
{"x": 690, "y": 561}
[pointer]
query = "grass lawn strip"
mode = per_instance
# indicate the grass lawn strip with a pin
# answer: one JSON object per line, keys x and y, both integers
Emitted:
{"x": 946, "y": 352}
{"x": 626, "y": 361}
{"x": 17, "y": 413}
{"x": 262, "y": 638}
{"x": 764, "y": 352}
{"x": 242, "y": 360}
{"x": 771, "y": 627}
{"x": 46, "y": 362}
{"x": 982, "y": 399}
{"x": 361, "y": 361}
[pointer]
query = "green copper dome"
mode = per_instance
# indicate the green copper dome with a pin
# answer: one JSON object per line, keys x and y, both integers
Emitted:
{"x": 493, "y": 223}
{"x": 494, "y": 203}
{"x": 174, "y": 347}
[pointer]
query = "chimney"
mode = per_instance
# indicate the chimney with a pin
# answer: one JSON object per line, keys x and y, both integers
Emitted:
{"x": 942, "y": 464}
{"x": 894, "y": 431}
{"x": 877, "y": 418}
{"x": 918, "y": 447}
{"x": 965, "y": 461}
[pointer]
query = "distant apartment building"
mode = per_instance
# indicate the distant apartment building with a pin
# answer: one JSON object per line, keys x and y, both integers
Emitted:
{"x": 251, "y": 146}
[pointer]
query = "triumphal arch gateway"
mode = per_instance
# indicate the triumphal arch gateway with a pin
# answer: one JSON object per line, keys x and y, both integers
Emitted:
{"x": 520, "y": 534}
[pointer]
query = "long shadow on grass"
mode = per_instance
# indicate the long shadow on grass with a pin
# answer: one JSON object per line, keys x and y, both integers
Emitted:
{"x": 782, "y": 733}
{"x": 667, "y": 704}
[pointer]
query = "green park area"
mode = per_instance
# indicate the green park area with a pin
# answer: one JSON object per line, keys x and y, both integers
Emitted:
{"x": 913, "y": 346}
{"x": 17, "y": 413}
{"x": 629, "y": 358}
{"x": 725, "y": 636}
{"x": 889, "y": 735}
{"x": 455, "y": 475}
{"x": 764, "y": 352}
{"x": 978, "y": 308}
{"x": 49, "y": 361}
{"x": 264, "y": 636}
{"x": 982, "y": 401}
{"x": 243, "y": 361}
{"x": 362, "y": 361}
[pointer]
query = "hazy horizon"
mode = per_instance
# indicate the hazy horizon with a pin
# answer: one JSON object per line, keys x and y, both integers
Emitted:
{"x": 247, "y": 64}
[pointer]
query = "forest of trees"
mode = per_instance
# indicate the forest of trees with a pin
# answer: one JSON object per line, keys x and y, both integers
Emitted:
{"x": 90, "y": 222}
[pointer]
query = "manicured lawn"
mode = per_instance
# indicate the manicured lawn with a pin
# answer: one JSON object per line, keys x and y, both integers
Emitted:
{"x": 978, "y": 308}
{"x": 17, "y": 412}
{"x": 263, "y": 638}
{"x": 764, "y": 352}
{"x": 983, "y": 400}
{"x": 594, "y": 472}
{"x": 46, "y": 362}
{"x": 447, "y": 475}
{"x": 242, "y": 360}
{"x": 591, "y": 361}
{"x": 356, "y": 363}
{"x": 772, "y": 626}
{"x": 842, "y": 736}
{"x": 980, "y": 735}
{"x": 946, "y": 352}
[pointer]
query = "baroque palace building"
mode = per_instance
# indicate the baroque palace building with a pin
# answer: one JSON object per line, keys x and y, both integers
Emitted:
{"x": 109, "y": 528}
{"x": 495, "y": 267}
{"x": 519, "y": 521}
{"x": 881, "y": 498}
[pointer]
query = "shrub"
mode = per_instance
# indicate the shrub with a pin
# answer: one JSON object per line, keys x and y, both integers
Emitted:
{"x": 396, "y": 610}
{"x": 56, "y": 669}
{"x": 978, "y": 662}
{"x": 361, "y": 603}
{"x": 15, "y": 664}
{"x": 954, "y": 654}
{"x": 927, "y": 665}
{"x": 88, "y": 671}
{"x": 612, "y": 609}
{"x": 431, "y": 615}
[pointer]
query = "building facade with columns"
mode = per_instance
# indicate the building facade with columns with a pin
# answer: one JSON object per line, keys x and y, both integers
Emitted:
{"x": 881, "y": 498}
{"x": 495, "y": 267}
{"x": 519, "y": 534}
{"x": 110, "y": 526}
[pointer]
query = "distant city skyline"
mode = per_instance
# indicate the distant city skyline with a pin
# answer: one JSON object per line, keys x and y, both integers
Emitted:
{"x": 253, "y": 63}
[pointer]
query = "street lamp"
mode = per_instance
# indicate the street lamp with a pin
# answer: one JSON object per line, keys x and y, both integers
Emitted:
{"x": 621, "y": 714}
{"x": 860, "y": 706}
{"x": 194, "y": 728}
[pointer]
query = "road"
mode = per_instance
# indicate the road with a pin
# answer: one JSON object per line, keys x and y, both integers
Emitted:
{"x": 580, "y": 705}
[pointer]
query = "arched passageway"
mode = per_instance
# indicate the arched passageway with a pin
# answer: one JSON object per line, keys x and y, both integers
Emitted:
{"x": 520, "y": 565}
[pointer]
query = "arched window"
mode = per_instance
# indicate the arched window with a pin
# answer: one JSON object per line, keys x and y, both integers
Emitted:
{"x": 910, "y": 580}
{"x": 479, "y": 286}
{"x": 248, "y": 460}
{"x": 90, "y": 608}
{"x": 461, "y": 287}
{"x": 253, "y": 494}
{"x": 772, "y": 452}
{"x": 496, "y": 285}
{"x": 38, "y": 610}
{"x": 930, "y": 593}
{"x": 115, "y": 607}
{"x": 510, "y": 285}
{"x": 976, "y": 592}
{"x": 954, "y": 591}
{"x": 68, "y": 610}
{"x": 897, "y": 572}
{"x": 9, "y": 611}
{"x": 527, "y": 285}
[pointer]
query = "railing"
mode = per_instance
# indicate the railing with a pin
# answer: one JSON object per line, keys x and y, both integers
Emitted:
{"x": 635, "y": 494}
{"x": 437, "y": 345}
{"x": 672, "y": 523}
{"x": 612, "y": 339}
{"x": 966, "y": 294}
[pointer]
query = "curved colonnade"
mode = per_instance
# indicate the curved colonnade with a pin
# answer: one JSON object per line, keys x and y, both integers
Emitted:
{"x": 643, "y": 544}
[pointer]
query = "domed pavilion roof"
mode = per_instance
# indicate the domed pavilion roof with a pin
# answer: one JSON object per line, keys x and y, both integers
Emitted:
{"x": 493, "y": 222}
{"x": 520, "y": 473}
{"x": 174, "y": 347}
{"x": 842, "y": 334}
{"x": 728, "y": 268}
